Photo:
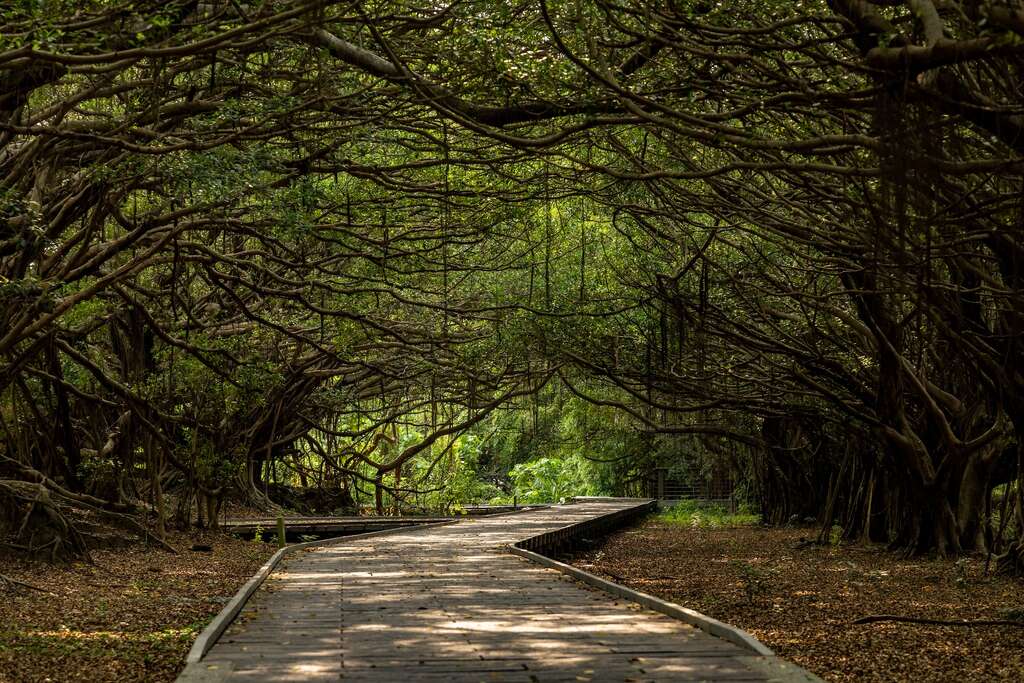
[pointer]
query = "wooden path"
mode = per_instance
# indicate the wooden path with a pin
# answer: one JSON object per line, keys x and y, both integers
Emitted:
{"x": 341, "y": 526}
{"x": 327, "y": 525}
{"x": 451, "y": 603}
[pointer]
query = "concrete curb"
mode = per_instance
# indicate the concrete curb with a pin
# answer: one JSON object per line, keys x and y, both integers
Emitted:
{"x": 216, "y": 628}
{"x": 762, "y": 658}
{"x": 201, "y": 672}
{"x": 779, "y": 670}
{"x": 692, "y": 617}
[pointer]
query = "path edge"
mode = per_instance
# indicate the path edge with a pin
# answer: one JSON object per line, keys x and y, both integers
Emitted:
{"x": 215, "y": 629}
{"x": 713, "y": 626}
{"x": 763, "y": 658}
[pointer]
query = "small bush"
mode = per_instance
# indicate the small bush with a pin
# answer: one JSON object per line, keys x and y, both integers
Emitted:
{"x": 756, "y": 581}
{"x": 961, "y": 571}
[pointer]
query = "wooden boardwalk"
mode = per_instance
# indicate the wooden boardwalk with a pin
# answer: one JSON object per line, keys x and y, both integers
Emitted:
{"x": 341, "y": 526}
{"x": 451, "y": 603}
{"x": 327, "y": 525}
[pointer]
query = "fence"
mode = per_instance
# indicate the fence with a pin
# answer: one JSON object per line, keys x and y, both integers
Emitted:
{"x": 716, "y": 488}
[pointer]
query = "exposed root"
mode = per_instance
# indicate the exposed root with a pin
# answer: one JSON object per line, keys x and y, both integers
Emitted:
{"x": 37, "y": 519}
{"x": 1012, "y": 561}
{"x": 33, "y": 519}
{"x": 874, "y": 618}
{"x": 8, "y": 581}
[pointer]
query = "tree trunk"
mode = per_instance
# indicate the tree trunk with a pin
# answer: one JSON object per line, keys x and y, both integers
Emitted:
{"x": 972, "y": 501}
{"x": 378, "y": 492}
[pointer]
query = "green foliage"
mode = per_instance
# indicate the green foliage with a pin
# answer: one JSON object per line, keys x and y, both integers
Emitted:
{"x": 451, "y": 480}
{"x": 553, "y": 480}
{"x": 694, "y": 514}
{"x": 290, "y": 254}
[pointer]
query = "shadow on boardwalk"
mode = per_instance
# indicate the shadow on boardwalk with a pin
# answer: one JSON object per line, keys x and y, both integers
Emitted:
{"x": 450, "y": 603}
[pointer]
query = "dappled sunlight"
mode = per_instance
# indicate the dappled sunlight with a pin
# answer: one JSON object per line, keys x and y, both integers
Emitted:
{"x": 64, "y": 634}
{"x": 309, "y": 668}
{"x": 556, "y": 624}
{"x": 457, "y": 602}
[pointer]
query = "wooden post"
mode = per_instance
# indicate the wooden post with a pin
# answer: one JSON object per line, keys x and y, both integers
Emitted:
{"x": 661, "y": 483}
{"x": 280, "y": 530}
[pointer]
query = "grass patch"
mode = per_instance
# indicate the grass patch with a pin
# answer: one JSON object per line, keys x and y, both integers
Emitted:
{"x": 703, "y": 515}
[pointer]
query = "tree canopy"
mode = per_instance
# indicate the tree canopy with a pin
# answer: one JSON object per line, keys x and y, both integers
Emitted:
{"x": 392, "y": 251}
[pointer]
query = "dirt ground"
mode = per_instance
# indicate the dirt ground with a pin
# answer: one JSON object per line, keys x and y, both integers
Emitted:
{"x": 131, "y": 616}
{"x": 801, "y": 601}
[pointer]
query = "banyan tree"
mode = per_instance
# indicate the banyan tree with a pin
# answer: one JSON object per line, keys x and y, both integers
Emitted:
{"x": 251, "y": 243}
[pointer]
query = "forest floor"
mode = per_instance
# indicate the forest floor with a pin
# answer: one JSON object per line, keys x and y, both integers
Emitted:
{"x": 133, "y": 614}
{"x": 130, "y": 616}
{"x": 801, "y": 602}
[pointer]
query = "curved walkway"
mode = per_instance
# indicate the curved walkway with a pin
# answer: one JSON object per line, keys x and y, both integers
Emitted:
{"x": 451, "y": 603}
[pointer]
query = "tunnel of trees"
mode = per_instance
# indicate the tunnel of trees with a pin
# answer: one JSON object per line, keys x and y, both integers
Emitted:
{"x": 384, "y": 253}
